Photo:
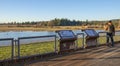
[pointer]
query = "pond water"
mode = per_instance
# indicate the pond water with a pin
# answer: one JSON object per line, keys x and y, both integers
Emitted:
{"x": 17, "y": 34}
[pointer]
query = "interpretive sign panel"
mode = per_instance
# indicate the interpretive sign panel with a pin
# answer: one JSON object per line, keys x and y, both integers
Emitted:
{"x": 91, "y": 38}
{"x": 67, "y": 40}
{"x": 91, "y": 33}
{"x": 66, "y": 34}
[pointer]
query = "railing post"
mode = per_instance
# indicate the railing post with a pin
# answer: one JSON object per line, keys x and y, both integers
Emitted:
{"x": 83, "y": 42}
{"x": 98, "y": 39}
{"x": 56, "y": 44}
{"x": 77, "y": 42}
{"x": 18, "y": 48}
{"x": 12, "y": 56}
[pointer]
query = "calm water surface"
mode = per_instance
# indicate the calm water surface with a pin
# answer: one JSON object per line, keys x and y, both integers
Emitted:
{"x": 17, "y": 34}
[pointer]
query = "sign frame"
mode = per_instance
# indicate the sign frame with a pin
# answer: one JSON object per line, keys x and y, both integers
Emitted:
{"x": 91, "y": 33}
{"x": 67, "y": 40}
{"x": 68, "y": 36}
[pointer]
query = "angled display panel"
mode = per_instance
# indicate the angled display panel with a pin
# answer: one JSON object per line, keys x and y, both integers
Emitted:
{"x": 91, "y": 32}
{"x": 66, "y": 34}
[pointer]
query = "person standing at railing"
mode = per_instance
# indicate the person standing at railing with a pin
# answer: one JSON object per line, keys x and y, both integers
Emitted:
{"x": 110, "y": 29}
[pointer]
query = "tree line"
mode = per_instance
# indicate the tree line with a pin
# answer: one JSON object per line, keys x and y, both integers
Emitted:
{"x": 62, "y": 22}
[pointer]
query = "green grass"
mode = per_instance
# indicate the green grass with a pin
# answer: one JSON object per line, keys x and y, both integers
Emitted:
{"x": 80, "y": 42}
{"x": 5, "y": 52}
{"x": 36, "y": 48}
{"x": 39, "y": 48}
{"x": 102, "y": 40}
{"x": 27, "y": 49}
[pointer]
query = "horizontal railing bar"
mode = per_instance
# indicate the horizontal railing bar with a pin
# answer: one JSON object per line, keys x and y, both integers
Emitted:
{"x": 117, "y": 31}
{"x": 106, "y": 32}
{"x": 102, "y": 32}
{"x": 79, "y": 33}
{"x": 4, "y": 39}
{"x": 36, "y": 37}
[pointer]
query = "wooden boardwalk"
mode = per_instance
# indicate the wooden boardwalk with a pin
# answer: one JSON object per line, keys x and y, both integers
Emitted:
{"x": 98, "y": 56}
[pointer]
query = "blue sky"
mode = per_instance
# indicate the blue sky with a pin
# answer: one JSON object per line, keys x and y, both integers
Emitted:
{"x": 42, "y": 10}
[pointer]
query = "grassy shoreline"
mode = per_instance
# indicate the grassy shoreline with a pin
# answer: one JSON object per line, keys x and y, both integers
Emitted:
{"x": 45, "y": 28}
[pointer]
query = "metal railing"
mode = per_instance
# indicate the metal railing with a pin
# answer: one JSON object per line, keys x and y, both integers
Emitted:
{"x": 12, "y": 46}
{"x": 103, "y": 40}
{"x": 18, "y": 42}
{"x": 21, "y": 38}
{"x": 83, "y": 41}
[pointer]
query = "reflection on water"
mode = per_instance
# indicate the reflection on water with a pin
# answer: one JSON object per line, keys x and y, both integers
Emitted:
{"x": 15, "y": 35}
